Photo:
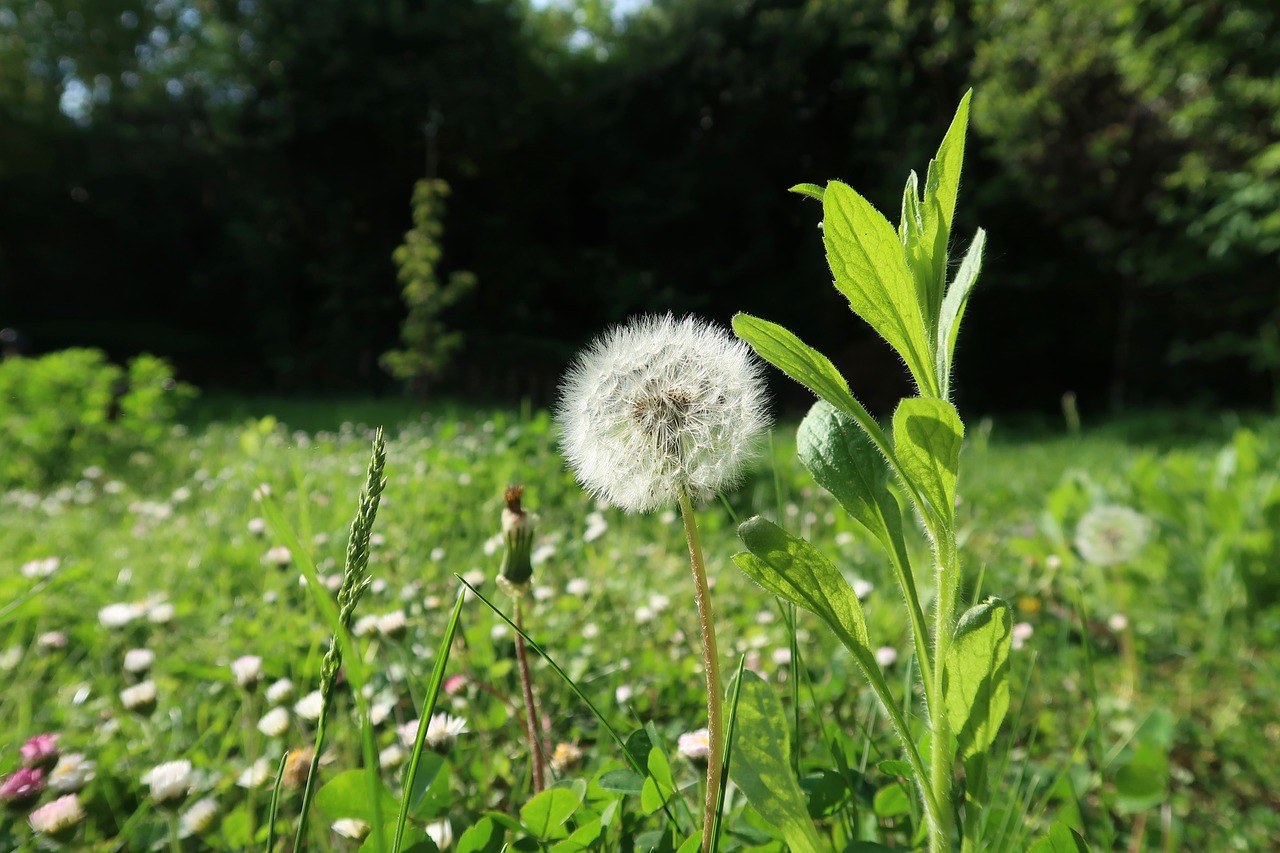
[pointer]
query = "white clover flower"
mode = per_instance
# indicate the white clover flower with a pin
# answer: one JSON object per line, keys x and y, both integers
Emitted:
{"x": 659, "y": 407}
{"x": 695, "y": 745}
{"x": 274, "y": 723}
{"x": 247, "y": 670}
{"x": 199, "y": 816}
{"x": 137, "y": 661}
{"x": 169, "y": 782}
{"x": 308, "y": 707}
{"x": 140, "y": 698}
{"x": 1108, "y": 535}
{"x": 280, "y": 692}
{"x": 72, "y": 772}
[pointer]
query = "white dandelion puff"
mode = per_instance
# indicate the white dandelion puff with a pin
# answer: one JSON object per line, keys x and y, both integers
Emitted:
{"x": 658, "y": 407}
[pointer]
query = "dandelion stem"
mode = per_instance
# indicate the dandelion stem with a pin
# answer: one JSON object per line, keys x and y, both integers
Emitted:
{"x": 711, "y": 665}
{"x": 530, "y": 706}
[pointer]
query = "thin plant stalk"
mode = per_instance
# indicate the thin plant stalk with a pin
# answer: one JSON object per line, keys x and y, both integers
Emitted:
{"x": 940, "y": 757}
{"x": 711, "y": 666}
{"x": 532, "y": 727}
{"x": 175, "y": 831}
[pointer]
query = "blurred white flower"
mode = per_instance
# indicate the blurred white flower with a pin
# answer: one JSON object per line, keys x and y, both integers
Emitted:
{"x": 392, "y": 756}
{"x": 596, "y": 527}
{"x": 274, "y": 723}
{"x": 58, "y": 816}
{"x": 623, "y": 693}
{"x": 862, "y": 588}
{"x": 51, "y": 640}
{"x": 1118, "y": 622}
{"x": 886, "y": 656}
{"x": 199, "y": 816}
{"x": 781, "y": 656}
{"x": 1108, "y": 535}
{"x": 1021, "y": 632}
{"x": 578, "y": 587}
{"x": 393, "y": 625}
{"x": 644, "y": 615}
{"x": 441, "y": 833}
{"x": 257, "y": 526}
{"x": 161, "y": 613}
{"x": 365, "y": 626}
{"x": 40, "y": 568}
{"x": 279, "y": 692}
{"x": 140, "y": 698}
{"x": 590, "y": 631}
{"x": 247, "y": 670}
{"x": 437, "y": 554}
{"x": 169, "y": 782}
{"x": 279, "y": 556}
{"x": 695, "y": 745}
{"x": 350, "y": 827}
{"x": 658, "y": 407}
{"x": 119, "y": 615}
{"x": 72, "y": 772}
{"x": 308, "y": 707}
{"x": 257, "y": 774}
{"x": 137, "y": 661}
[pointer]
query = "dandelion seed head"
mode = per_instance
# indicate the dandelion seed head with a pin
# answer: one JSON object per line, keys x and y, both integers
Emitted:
{"x": 659, "y": 406}
{"x": 1108, "y": 535}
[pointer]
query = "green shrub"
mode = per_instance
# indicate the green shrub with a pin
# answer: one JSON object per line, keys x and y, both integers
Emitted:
{"x": 74, "y": 408}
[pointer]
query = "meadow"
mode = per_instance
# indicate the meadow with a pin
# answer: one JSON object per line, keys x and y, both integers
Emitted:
{"x": 1144, "y": 687}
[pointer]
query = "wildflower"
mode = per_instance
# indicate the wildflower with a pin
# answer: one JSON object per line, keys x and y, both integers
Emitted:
{"x": 138, "y": 661}
{"x": 72, "y": 772}
{"x": 247, "y": 671}
{"x": 566, "y": 756}
{"x": 393, "y": 625}
{"x": 862, "y": 588}
{"x": 169, "y": 782}
{"x": 695, "y": 745}
{"x": 1021, "y": 632}
{"x": 161, "y": 613}
{"x": 308, "y": 707}
{"x": 297, "y": 766}
{"x": 279, "y": 556}
{"x": 437, "y": 554}
{"x": 1117, "y": 622}
{"x": 40, "y": 751}
{"x": 37, "y": 569}
{"x": 52, "y": 640}
{"x": 199, "y": 816}
{"x": 644, "y": 615}
{"x": 140, "y": 698}
{"x": 1108, "y": 535}
{"x": 257, "y": 526}
{"x": 274, "y": 723}
{"x": 350, "y": 827}
{"x": 280, "y": 692}
{"x": 517, "y": 538}
{"x": 658, "y": 407}
{"x": 256, "y": 774}
{"x": 22, "y": 788}
{"x": 455, "y": 684}
{"x": 886, "y": 656}
{"x": 590, "y": 631}
{"x": 578, "y": 587}
{"x": 441, "y": 833}
{"x": 118, "y": 615}
{"x": 623, "y": 693}
{"x": 57, "y": 819}
{"x": 365, "y": 626}
{"x": 596, "y": 527}
{"x": 781, "y": 656}
{"x": 392, "y": 756}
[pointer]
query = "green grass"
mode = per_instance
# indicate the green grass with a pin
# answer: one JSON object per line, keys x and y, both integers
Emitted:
{"x": 1175, "y": 754}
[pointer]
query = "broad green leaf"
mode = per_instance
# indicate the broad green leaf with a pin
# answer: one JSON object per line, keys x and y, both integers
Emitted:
{"x": 870, "y": 270}
{"x": 429, "y": 767}
{"x": 547, "y": 812}
{"x": 659, "y": 784}
{"x": 811, "y": 190}
{"x": 892, "y": 801}
{"x": 975, "y": 683}
{"x": 580, "y": 839}
{"x": 761, "y": 765}
{"x": 954, "y": 304}
{"x": 927, "y": 434}
{"x": 844, "y": 461}
{"x": 941, "y": 187}
{"x": 622, "y": 781}
{"x": 827, "y": 791}
{"x": 1142, "y": 780}
{"x": 347, "y": 795}
{"x": 484, "y": 836}
{"x": 895, "y": 767}
{"x": 1060, "y": 839}
{"x": 414, "y": 840}
{"x": 692, "y": 844}
{"x": 794, "y": 570}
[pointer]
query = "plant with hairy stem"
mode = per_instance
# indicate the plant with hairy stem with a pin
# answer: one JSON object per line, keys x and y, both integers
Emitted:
{"x": 897, "y": 281}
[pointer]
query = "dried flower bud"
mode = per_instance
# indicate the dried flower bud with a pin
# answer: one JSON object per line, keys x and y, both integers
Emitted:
{"x": 517, "y": 539}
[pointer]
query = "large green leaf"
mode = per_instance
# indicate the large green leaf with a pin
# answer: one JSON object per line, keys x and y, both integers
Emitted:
{"x": 347, "y": 795}
{"x": 927, "y": 435}
{"x": 1060, "y": 839}
{"x": 919, "y": 255}
{"x": 953, "y": 307}
{"x": 761, "y": 764}
{"x": 778, "y": 346}
{"x": 794, "y": 570}
{"x": 845, "y": 462}
{"x": 870, "y": 269}
{"x": 941, "y": 187}
{"x": 975, "y": 683}
{"x": 546, "y": 813}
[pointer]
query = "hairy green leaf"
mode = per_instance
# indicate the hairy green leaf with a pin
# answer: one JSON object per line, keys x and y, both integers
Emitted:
{"x": 953, "y": 307}
{"x": 975, "y": 683}
{"x": 941, "y": 188}
{"x": 870, "y": 269}
{"x": 927, "y": 435}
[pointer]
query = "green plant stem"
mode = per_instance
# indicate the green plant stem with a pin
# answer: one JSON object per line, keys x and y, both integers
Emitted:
{"x": 711, "y": 665}
{"x": 530, "y": 706}
{"x": 175, "y": 827}
{"x": 940, "y": 758}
